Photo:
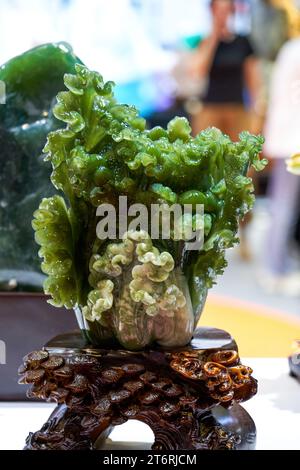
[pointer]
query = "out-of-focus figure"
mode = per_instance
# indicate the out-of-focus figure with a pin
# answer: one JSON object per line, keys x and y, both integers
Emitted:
{"x": 227, "y": 66}
{"x": 282, "y": 133}
{"x": 291, "y": 8}
{"x": 271, "y": 27}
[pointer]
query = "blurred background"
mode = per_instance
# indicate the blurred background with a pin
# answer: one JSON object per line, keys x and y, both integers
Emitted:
{"x": 234, "y": 65}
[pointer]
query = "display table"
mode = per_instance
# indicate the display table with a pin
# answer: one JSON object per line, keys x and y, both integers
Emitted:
{"x": 275, "y": 410}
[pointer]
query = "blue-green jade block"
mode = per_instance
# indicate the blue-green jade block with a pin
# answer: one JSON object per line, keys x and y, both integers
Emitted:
{"x": 31, "y": 81}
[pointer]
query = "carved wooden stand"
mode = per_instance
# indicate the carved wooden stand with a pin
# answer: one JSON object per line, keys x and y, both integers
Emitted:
{"x": 187, "y": 396}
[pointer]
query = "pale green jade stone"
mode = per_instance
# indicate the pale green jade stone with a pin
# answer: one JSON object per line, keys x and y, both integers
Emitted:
{"x": 139, "y": 295}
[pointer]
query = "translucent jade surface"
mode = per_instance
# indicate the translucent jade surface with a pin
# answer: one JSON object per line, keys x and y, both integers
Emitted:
{"x": 136, "y": 290}
{"x": 29, "y": 84}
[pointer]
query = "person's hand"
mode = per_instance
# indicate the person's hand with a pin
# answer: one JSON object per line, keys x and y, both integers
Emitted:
{"x": 217, "y": 29}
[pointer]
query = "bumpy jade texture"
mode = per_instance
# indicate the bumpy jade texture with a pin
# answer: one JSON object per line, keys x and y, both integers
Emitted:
{"x": 31, "y": 81}
{"x": 136, "y": 290}
{"x": 139, "y": 294}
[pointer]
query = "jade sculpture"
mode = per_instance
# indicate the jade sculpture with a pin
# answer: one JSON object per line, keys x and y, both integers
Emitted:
{"x": 139, "y": 291}
{"x": 134, "y": 290}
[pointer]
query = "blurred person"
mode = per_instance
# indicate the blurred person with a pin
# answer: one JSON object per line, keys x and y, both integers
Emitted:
{"x": 269, "y": 31}
{"x": 291, "y": 8}
{"x": 227, "y": 66}
{"x": 270, "y": 28}
{"x": 282, "y": 133}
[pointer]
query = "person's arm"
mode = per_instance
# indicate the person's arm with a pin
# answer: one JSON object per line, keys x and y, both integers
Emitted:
{"x": 254, "y": 85}
{"x": 253, "y": 80}
{"x": 205, "y": 56}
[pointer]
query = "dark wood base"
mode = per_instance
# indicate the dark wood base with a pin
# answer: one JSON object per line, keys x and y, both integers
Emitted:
{"x": 188, "y": 396}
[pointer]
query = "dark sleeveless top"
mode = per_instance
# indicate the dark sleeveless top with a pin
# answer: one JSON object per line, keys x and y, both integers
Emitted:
{"x": 226, "y": 80}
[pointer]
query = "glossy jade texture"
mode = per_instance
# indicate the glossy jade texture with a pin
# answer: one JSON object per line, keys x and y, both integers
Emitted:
{"x": 133, "y": 287}
{"x": 31, "y": 82}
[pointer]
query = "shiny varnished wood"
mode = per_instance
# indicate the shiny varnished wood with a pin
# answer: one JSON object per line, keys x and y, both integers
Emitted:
{"x": 188, "y": 396}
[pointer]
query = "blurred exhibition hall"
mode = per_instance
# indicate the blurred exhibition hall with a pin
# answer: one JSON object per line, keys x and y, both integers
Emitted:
{"x": 230, "y": 64}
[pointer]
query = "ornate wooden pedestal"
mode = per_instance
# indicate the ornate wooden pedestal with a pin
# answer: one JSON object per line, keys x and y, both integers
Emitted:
{"x": 187, "y": 396}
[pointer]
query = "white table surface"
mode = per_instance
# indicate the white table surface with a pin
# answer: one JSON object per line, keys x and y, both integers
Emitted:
{"x": 275, "y": 410}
